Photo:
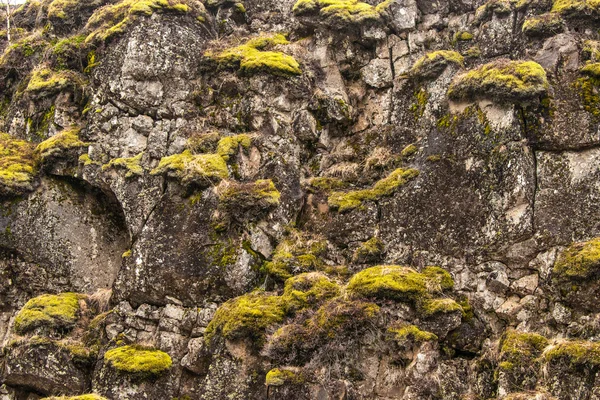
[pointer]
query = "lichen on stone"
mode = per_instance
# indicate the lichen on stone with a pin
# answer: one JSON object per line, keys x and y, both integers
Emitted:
{"x": 64, "y": 140}
{"x": 56, "y": 312}
{"x": 18, "y": 165}
{"x": 345, "y": 201}
{"x": 197, "y": 169}
{"x": 138, "y": 360}
{"x": 132, "y": 165}
{"x": 502, "y": 80}
{"x": 579, "y": 261}
{"x": 256, "y": 55}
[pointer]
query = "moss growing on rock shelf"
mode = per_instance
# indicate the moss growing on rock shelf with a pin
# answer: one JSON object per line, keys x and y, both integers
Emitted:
{"x": 246, "y": 316}
{"x": 575, "y": 352}
{"x": 199, "y": 169}
{"x": 295, "y": 254}
{"x": 229, "y": 146}
{"x": 130, "y": 164}
{"x": 579, "y": 261}
{"x": 255, "y": 56}
{"x": 576, "y": 8}
{"x": 114, "y": 19}
{"x": 520, "y": 349}
{"x": 80, "y": 397}
{"x": 138, "y": 360}
{"x": 45, "y": 81}
{"x": 433, "y": 307}
{"x": 56, "y": 145}
{"x": 280, "y": 377}
{"x": 342, "y": 12}
{"x": 247, "y": 200}
{"x": 542, "y": 25}
{"x": 501, "y": 80}
{"x": 307, "y": 290}
{"x": 324, "y": 184}
{"x": 368, "y": 251}
{"x": 431, "y": 65}
{"x": 18, "y": 165}
{"x": 56, "y": 312}
{"x": 411, "y": 333}
{"x": 345, "y": 201}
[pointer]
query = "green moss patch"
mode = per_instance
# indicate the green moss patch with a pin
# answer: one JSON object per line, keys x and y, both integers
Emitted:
{"x": 440, "y": 306}
{"x": 345, "y": 201}
{"x": 370, "y": 250}
{"x": 576, "y": 8}
{"x": 114, "y": 19}
{"x": 138, "y": 360}
{"x": 579, "y": 261}
{"x": 431, "y": 65}
{"x": 18, "y": 165}
{"x": 324, "y": 184}
{"x": 256, "y": 55}
{"x": 229, "y": 146}
{"x": 45, "y": 81}
{"x": 81, "y": 397}
{"x": 238, "y": 200}
{"x": 63, "y": 141}
{"x": 501, "y": 80}
{"x": 342, "y": 12}
{"x": 296, "y": 254}
{"x": 411, "y": 333}
{"x": 132, "y": 165}
{"x": 200, "y": 169}
{"x": 280, "y": 377}
{"x": 307, "y": 290}
{"x": 57, "y": 312}
{"x": 520, "y": 349}
{"x": 576, "y": 352}
{"x": 543, "y": 25}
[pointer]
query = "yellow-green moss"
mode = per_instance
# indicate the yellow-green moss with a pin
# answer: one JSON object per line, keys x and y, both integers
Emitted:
{"x": 247, "y": 316}
{"x": 520, "y": 349}
{"x": 440, "y": 306}
{"x": 409, "y": 151}
{"x": 545, "y": 24}
{"x": 591, "y": 70}
{"x": 344, "y": 201}
{"x": 114, "y": 19}
{"x": 579, "y": 261}
{"x": 575, "y": 8}
{"x": 18, "y": 164}
{"x": 52, "y": 311}
{"x": 80, "y": 397}
{"x": 342, "y": 12}
{"x": 261, "y": 193}
{"x": 297, "y": 253}
{"x": 394, "y": 282}
{"x": 472, "y": 52}
{"x": 411, "y": 333}
{"x": 44, "y": 80}
{"x": 203, "y": 143}
{"x": 131, "y": 164}
{"x": 280, "y": 377}
{"x": 229, "y": 146}
{"x": 64, "y": 140}
{"x": 372, "y": 248}
{"x": 433, "y": 64}
{"x": 462, "y": 36}
{"x": 591, "y": 51}
{"x": 442, "y": 278}
{"x": 138, "y": 360}
{"x": 576, "y": 352}
{"x": 324, "y": 184}
{"x": 501, "y": 80}
{"x": 588, "y": 88}
{"x": 307, "y": 290}
{"x": 500, "y": 7}
{"x": 200, "y": 169}
{"x": 255, "y": 56}
{"x": 61, "y": 9}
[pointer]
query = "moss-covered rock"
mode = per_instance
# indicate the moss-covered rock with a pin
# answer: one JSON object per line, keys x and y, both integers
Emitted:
{"x": 543, "y": 25}
{"x": 576, "y": 8}
{"x": 90, "y": 396}
{"x": 434, "y": 307}
{"x": 501, "y": 80}
{"x": 308, "y": 290}
{"x": 18, "y": 165}
{"x": 44, "y": 81}
{"x": 132, "y": 165}
{"x": 296, "y": 254}
{"x": 55, "y": 312}
{"x": 256, "y": 56}
{"x": 411, "y": 334}
{"x": 342, "y": 12}
{"x": 229, "y": 146}
{"x": 345, "y": 201}
{"x": 193, "y": 169}
{"x": 575, "y": 353}
{"x": 579, "y": 261}
{"x": 247, "y": 316}
{"x": 519, "y": 360}
{"x": 431, "y": 65}
{"x": 138, "y": 360}
{"x": 59, "y": 144}
{"x": 257, "y": 196}
{"x": 281, "y": 376}
{"x": 369, "y": 251}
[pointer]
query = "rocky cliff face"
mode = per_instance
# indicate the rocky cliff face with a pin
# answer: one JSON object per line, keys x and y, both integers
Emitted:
{"x": 321, "y": 199}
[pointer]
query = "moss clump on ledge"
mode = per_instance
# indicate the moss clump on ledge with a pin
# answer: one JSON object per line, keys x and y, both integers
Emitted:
{"x": 280, "y": 377}
{"x": 579, "y": 261}
{"x": 246, "y": 316}
{"x": 433, "y": 307}
{"x": 308, "y": 289}
{"x": 395, "y": 282}
{"x": 411, "y": 333}
{"x": 199, "y": 169}
{"x": 131, "y": 164}
{"x": 520, "y": 349}
{"x": 255, "y": 56}
{"x": 258, "y": 196}
{"x": 501, "y": 80}
{"x": 63, "y": 141}
{"x": 56, "y": 312}
{"x": 229, "y": 146}
{"x": 576, "y": 8}
{"x": 18, "y": 165}
{"x": 345, "y": 201}
{"x": 431, "y": 65}
{"x": 296, "y": 254}
{"x": 342, "y": 12}
{"x": 542, "y": 25}
{"x": 324, "y": 184}
{"x": 576, "y": 352}
{"x": 592, "y": 70}
{"x": 45, "y": 81}
{"x": 80, "y": 397}
{"x": 114, "y": 19}
{"x": 368, "y": 251}
{"x": 138, "y": 360}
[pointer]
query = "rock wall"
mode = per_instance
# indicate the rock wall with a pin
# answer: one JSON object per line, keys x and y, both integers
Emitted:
{"x": 300, "y": 200}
